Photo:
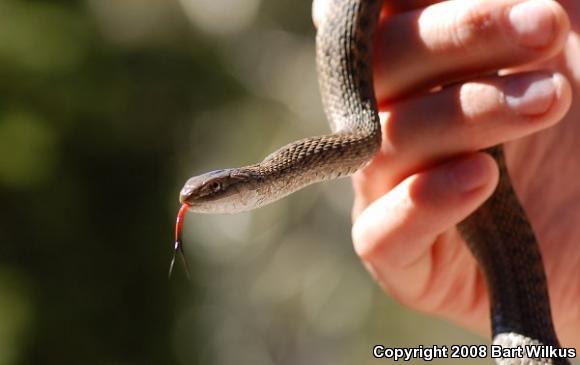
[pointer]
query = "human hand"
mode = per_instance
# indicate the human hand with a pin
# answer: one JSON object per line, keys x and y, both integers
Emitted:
{"x": 428, "y": 175}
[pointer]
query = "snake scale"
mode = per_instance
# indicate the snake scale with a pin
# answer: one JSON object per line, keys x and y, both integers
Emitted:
{"x": 498, "y": 233}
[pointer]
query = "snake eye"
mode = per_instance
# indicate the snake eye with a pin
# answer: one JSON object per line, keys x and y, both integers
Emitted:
{"x": 215, "y": 186}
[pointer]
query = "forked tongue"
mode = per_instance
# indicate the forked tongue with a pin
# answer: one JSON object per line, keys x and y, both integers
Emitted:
{"x": 178, "y": 248}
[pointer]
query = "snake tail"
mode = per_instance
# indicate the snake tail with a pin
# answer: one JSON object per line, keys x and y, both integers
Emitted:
{"x": 502, "y": 240}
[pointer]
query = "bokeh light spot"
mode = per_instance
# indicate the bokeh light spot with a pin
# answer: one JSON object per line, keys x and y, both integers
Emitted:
{"x": 221, "y": 17}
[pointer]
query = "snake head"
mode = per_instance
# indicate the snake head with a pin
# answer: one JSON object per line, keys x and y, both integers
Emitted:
{"x": 220, "y": 191}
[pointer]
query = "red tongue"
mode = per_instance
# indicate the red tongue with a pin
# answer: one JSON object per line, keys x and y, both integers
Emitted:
{"x": 179, "y": 225}
{"x": 178, "y": 248}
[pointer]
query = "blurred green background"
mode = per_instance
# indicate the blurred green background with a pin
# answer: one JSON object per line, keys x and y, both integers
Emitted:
{"x": 106, "y": 107}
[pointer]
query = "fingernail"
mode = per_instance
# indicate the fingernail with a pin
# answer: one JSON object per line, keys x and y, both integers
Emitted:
{"x": 467, "y": 175}
{"x": 532, "y": 23}
{"x": 531, "y": 94}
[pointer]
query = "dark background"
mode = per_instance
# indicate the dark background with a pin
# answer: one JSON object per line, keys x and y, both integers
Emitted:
{"x": 106, "y": 107}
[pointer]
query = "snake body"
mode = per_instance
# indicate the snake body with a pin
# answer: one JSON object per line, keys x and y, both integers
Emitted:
{"x": 498, "y": 233}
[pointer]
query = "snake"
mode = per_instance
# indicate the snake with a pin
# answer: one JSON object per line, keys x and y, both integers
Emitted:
{"x": 498, "y": 233}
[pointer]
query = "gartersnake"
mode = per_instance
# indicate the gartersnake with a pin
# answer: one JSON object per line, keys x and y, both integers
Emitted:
{"x": 498, "y": 233}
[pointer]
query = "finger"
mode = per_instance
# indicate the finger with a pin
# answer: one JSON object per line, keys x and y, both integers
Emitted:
{"x": 455, "y": 40}
{"x": 399, "y": 6}
{"x": 319, "y": 10}
{"x": 390, "y": 7}
{"x": 421, "y": 131}
{"x": 573, "y": 9}
{"x": 395, "y": 235}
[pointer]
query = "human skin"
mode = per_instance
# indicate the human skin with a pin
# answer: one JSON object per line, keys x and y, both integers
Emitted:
{"x": 467, "y": 75}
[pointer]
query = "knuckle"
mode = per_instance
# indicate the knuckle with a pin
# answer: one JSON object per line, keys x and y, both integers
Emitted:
{"x": 425, "y": 194}
{"x": 372, "y": 241}
{"x": 479, "y": 99}
{"x": 459, "y": 27}
{"x": 470, "y": 25}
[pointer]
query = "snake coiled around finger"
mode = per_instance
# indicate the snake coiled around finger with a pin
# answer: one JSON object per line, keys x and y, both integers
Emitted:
{"x": 498, "y": 233}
